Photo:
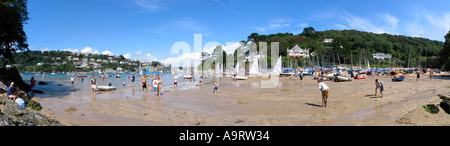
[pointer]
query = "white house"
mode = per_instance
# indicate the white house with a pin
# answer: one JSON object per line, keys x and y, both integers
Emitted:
{"x": 40, "y": 64}
{"x": 381, "y": 56}
{"x": 298, "y": 52}
{"x": 327, "y": 40}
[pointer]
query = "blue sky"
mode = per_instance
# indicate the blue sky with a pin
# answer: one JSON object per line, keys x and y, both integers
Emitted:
{"x": 147, "y": 29}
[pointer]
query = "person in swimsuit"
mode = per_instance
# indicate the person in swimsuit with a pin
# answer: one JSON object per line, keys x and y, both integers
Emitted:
{"x": 155, "y": 86}
{"x": 175, "y": 78}
{"x": 159, "y": 86}
{"x": 144, "y": 84}
{"x": 133, "y": 81}
{"x": 215, "y": 87}
{"x": 93, "y": 84}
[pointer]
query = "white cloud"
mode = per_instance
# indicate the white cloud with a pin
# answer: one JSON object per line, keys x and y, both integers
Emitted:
{"x": 150, "y": 5}
{"x": 95, "y": 52}
{"x": 302, "y": 25}
{"x": 71, "y": 50}
{"x": 147, "y": 58}
{"x": 45, "y": 49}
{"x": 138, "y": 53}
{"x": 183, "y": 60}
{"x": 127, "y": 56}
{"x": 107, "y": 52}
{"x": 393, "y": 21}
{"x": 87, "y": 50}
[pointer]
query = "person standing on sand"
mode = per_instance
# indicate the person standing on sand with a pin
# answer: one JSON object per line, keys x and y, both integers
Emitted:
{"x": 93, "y": 85}
{"x": 144, "y": 84}
{"x": 325, "y": 92}
{"x": 175, "y": 78}
{"x": 418, "y": 75}
{"x": 381, "y": 89}
{"x": 155, "y": 85}
{"x": 159, "y": 86}
{"x": 377, "y": 86}
{"x": 71, "y": 80}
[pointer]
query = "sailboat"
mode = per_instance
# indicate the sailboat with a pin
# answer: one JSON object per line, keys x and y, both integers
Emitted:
{"x": 238, "y": 77}
{"x": 140, "y": 70}
{"x": 277, "y": 68}
{"x": 254, "y": 68}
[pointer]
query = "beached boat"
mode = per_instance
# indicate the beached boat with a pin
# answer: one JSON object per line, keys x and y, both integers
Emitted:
{"x": 82, "y": 76}
{"x": 106, "y": 88}
{"x": 363, "y": 76}
{"x": 241, "y": 78}
{"x": 188, "y": 77}
{"x": 401, "y": 78}
{"x": 341, "y": 78}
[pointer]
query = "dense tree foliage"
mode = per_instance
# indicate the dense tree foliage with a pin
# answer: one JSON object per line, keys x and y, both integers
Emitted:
{"x": 353, "y": 47}
{"x": 445, "y": 54}
{"x": 58, "y": 61}
{"x": 13, "y": 14}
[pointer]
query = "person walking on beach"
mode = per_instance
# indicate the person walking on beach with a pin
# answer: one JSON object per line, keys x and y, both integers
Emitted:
{"x": 377, "y": 86}
{"x": 175, "y": 78}
{"x": 71, "y": 80}
{"x": 300, "y": 77}
{"x": 144, "y": 84}
{"x": 215, "y": 88}
{"x": 93, "y": 85}
{"x": 325, "y": 92}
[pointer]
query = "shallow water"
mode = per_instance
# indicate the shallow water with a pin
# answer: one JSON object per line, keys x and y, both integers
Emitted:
{"x": 59, "y": 84}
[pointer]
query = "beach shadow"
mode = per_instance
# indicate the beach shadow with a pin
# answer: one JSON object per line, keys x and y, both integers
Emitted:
{"x": 312, "y": 104}
{"x": 373, "y": 96}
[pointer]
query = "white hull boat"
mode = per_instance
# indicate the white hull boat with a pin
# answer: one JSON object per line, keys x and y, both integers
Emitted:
{"x": 106, "y": 88}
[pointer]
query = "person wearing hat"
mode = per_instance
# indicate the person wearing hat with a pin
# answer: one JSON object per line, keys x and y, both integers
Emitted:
{"x": 11, "y": 92}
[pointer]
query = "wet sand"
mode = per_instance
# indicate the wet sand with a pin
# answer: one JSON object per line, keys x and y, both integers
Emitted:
{"x": 243, "y": 103}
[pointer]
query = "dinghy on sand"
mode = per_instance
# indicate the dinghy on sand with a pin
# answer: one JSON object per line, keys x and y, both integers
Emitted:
{"x": 106, "y": 88}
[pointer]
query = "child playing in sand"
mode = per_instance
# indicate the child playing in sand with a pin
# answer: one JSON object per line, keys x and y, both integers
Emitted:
{"x": 215, "y": 87}
{"x": 381, "y": 88}
{"x": 325, "y": 92}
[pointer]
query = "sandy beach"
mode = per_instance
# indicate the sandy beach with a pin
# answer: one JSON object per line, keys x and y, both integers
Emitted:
{"x": 244, "y": 103}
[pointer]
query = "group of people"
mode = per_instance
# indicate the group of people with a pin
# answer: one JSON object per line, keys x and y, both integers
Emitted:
{"x": 15, "y": 95}
{"x": 156, "y": 84}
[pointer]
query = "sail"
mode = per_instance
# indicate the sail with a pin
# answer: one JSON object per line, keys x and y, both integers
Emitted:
{"x": 254, "y": 68}
{"x": 217, "y": 68}
{"x": 277, "y": 68}
{"x": 148, "y": 71}
{"x": 140, "y": 70}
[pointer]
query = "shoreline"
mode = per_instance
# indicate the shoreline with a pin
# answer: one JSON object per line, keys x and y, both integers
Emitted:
{"x": 243, "y": 103}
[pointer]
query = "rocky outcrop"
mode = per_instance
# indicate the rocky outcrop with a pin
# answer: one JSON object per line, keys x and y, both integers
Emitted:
{"x": 445, "y": 104}
{"x": 12, "y": 75}
{"x": 13, "y": 115}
